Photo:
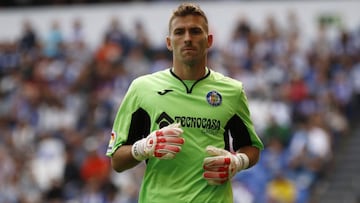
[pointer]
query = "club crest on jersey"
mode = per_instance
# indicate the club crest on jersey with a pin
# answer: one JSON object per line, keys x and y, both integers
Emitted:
{"x": 214, "y": 98}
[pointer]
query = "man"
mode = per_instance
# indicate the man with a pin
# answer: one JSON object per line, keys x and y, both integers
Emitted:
{"x": 184, "y": 121}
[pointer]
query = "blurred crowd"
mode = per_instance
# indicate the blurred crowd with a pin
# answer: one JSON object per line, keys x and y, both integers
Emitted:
{"x": 36, "y": 3}
{"x": 30, "y": 3}
{"x": 58, "y": 99}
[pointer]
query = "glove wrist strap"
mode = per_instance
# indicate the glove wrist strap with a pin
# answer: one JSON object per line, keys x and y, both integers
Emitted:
{"x": 243, "y": 160}
{"x": 137, "y": 150}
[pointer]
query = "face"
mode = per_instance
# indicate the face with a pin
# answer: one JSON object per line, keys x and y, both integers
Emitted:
{"x": 189, "y": 40}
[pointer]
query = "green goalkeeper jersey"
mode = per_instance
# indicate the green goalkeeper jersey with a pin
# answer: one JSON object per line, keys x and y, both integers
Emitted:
{"x": 212, "y": 111}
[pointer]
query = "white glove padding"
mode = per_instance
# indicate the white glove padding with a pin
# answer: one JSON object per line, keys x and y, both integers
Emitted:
{"x": 162, "y": 144}
{"x": 222, "y": 165}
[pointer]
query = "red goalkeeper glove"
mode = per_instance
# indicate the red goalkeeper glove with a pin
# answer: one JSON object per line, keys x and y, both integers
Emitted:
{"x": 162, "y": 144}
{"x": 222, "y": 165}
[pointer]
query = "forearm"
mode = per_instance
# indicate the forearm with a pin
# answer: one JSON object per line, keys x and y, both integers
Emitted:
{"x": 252, "y": 152}
{"x": 122, "y": 159}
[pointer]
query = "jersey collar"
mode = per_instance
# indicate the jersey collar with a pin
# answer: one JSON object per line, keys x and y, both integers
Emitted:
{"x": 189, "y": 90}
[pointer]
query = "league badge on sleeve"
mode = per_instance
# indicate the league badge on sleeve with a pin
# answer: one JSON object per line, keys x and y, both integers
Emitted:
{"x": 111, "y": 142}
{"x": 214, "y": 98}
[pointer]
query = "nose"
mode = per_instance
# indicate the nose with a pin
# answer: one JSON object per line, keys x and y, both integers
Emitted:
{"x": 187, "y": 38}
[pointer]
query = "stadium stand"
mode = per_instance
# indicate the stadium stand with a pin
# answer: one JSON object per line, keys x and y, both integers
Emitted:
{"x": 58, "y": 97}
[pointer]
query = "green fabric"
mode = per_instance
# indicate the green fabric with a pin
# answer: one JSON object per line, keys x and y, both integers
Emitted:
{"x": 204, "y": 122}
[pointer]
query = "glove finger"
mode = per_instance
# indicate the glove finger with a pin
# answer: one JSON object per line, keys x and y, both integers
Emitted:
{"x": 216, "y": 176}
{"x": 171, "y": 140}
{"x": 216, "y": 169}
{"x": 164, "y": 155}
{"x": 167, "y": 148}
{"x": 214, "y": 151}
{"x": 171, "y": 132}
{"x": 216, "y": 161}
{"x": 173, "y": 125}
{"x": 166, "y": 151}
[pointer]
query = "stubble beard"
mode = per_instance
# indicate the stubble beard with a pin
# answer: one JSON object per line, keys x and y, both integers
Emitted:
{"x": 190, "y": 59}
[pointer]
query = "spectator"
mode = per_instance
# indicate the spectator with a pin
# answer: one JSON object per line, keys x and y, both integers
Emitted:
{"x": 54, "y": 44}
{"x": 116, "y": 34}
{"x": 28, "y": 40}
{"x": 281, "y": 189}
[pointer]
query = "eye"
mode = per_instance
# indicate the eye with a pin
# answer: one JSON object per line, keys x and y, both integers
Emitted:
{"x": 178, "y": 31}
{"x": 196, "y": 31}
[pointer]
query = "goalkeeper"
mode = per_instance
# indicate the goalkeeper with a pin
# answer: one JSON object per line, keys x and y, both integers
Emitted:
{"x": 189, "y": 123}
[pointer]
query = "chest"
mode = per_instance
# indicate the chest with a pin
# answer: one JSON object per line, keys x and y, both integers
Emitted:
{"x": 207, "y": 104}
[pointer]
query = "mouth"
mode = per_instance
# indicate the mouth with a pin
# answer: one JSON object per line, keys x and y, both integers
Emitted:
{"x": 188, "y": 49}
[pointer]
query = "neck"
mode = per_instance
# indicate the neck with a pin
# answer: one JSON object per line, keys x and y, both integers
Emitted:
{"x": 189, "y": 72}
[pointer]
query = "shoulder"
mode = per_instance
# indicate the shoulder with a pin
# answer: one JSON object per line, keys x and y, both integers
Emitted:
{"x": 151, "y": 79}
{"x": 226, "y": 80}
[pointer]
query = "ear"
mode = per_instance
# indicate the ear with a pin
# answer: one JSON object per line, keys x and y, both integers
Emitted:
{"x": 210, "y": 40}
{"x": 168, "y": 43}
